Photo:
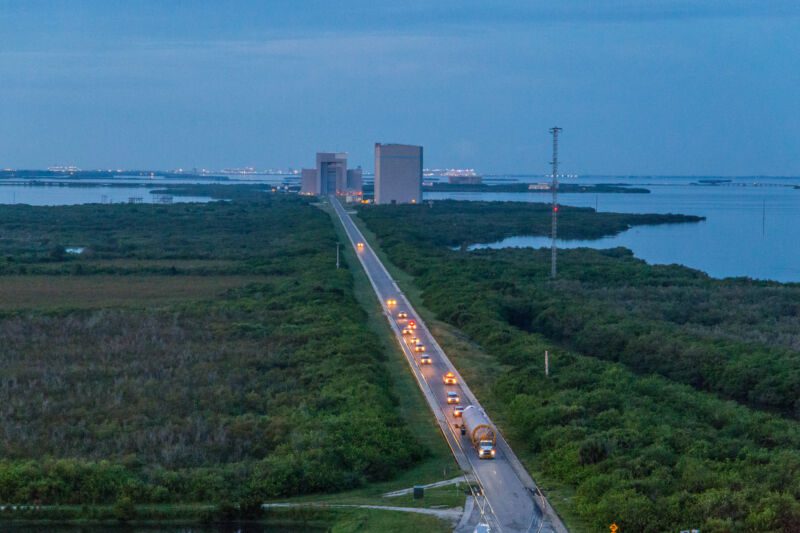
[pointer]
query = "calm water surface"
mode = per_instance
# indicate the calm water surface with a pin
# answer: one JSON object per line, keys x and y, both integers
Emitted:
{"x": 54, "y": 195}
{"x": 16, "y": 191}
{"x": 752, "y": 227}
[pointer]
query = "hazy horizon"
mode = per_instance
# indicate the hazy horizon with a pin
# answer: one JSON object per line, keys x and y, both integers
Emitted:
{"x": 673, "y": 88}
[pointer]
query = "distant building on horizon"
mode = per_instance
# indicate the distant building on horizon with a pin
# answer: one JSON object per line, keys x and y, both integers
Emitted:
{"x": 465, "y": 179}
{"x": 355, "y": 180}
{"x": 331, "y": 172}
{"x": 331, "y": 176}
{"x": 309, "y": 181}
{"x": 398, "y": 174}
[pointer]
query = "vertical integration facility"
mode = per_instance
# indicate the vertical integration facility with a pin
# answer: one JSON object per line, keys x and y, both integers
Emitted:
{"x": 398, "y": 174}
{"x": 331, "y": 176}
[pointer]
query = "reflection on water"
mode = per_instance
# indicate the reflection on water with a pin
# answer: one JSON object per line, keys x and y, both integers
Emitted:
{"x": 749, "y": 230}
{"x": 120, "y": 189}
{"x": 55, "y": 195}
{"x": 752, "y": 225}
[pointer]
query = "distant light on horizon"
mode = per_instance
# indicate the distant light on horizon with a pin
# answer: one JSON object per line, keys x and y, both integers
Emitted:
{"x": 196, "y": 85}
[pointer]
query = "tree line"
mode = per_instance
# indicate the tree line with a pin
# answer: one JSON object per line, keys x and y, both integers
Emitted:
{"x": 638, "y": 417}
{"x": 275, "y": 388}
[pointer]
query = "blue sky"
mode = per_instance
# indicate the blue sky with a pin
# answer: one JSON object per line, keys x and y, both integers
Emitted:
{"x": 703, "y": 87}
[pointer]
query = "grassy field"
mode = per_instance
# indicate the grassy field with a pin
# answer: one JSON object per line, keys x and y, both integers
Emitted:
{"x": 85, "y": 292}
{"x": 357, "y": 520}
{"x": 85, "y": 264}
{"x": 161, "y": 518}
{"x": 219, "y": 368}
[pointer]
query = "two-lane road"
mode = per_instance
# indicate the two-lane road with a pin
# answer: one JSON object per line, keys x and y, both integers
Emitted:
{"x": 511, "y": 500}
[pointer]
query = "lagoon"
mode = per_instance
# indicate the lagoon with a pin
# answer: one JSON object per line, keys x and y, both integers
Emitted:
{"x": 752, "y": 225}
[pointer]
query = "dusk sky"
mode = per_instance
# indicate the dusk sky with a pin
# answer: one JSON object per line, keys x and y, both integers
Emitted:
{"x": 695, "y": 87}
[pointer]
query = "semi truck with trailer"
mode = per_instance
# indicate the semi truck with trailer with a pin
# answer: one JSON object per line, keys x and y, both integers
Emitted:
{"x": 480, "y": 431}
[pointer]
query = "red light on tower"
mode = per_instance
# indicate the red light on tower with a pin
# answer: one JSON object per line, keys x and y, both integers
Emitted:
{"x": 554, "y": 216}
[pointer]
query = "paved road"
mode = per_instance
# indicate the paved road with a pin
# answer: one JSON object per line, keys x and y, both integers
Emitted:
{"x": 447, "y": 514}
{"x": 511, "y": 502}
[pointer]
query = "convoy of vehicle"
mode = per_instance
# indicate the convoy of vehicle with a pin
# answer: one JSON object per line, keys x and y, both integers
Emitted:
{"x": 475, "y": 424}
{"x": 480, "y": 431}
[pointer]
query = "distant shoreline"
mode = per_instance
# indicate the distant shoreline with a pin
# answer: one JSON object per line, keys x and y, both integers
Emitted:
{"x": 524, "y": 188}
{"x": 104, "y": 174}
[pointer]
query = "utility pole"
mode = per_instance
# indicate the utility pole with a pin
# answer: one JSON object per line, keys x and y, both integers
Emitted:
{"x": 554, "y": 221}
{"x": 337, "y": 255}
{"x": 546, "y": 363}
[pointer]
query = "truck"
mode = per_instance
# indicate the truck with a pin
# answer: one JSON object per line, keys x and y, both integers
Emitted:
{"x": 480, "y": 431}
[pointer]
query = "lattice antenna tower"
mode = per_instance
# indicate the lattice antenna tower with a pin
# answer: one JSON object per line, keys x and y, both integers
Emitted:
{"x": 554, "y": 220}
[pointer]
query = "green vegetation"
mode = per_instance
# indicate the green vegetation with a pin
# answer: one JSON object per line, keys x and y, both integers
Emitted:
{"x": 464, "y": 223}
{"x": 73, "y": 292}
{"x": 439, "y": 463}
{"x": 216, "y": 519}
{"x": 738, "y": 338}
{"x": 31, "y": 237}
{"x": 636, "y": 423}
{"x": 230, "y": 361}
{"x": 352, "y": 520}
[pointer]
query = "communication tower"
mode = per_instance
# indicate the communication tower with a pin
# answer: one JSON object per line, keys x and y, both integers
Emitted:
{"x": 554, "y": 220}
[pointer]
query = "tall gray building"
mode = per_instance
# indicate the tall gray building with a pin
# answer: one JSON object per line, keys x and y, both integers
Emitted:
{"x": 398, "y": 174}
{"x": 331, "y": 176}
{"x": 331, "y": 172}
{"x": 355, "y": 181}
{"x": 310, "y": 184}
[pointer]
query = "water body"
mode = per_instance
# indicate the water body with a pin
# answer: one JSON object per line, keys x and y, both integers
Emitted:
{"x": 752, "y": 226}
{"x": 55, "y": 195}
{"x": 16, "y": 191}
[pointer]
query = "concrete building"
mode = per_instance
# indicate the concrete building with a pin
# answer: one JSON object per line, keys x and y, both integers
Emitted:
{"x": 355, "y": 181}
{"x": 398, "y": 174}
{"x": 331, "y": 176}
{"x": 331, "y": 172}
{"x": 309, "y": 182}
